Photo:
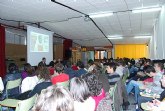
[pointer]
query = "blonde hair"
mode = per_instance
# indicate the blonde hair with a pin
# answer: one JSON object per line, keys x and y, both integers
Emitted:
{"x": 54, "y": 98}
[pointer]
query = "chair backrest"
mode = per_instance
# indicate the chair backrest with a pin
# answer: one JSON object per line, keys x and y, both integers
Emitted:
{"x": 26, "y": 105}
{"x": 65, "y": 84}
{"x": 12, "y": 84}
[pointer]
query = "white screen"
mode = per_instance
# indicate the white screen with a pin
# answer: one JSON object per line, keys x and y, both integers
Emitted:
{"x": 39, "y": 45}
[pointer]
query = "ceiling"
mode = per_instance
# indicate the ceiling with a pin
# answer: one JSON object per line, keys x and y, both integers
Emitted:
{"x": 73, "y": 25}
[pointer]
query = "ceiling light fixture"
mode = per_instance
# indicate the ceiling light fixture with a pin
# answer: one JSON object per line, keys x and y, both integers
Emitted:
{"x": 99, "y": 15}
{"x": 115, "y": 37}
{"x": 142, "y": 10}
{"x": 144, "y": 37}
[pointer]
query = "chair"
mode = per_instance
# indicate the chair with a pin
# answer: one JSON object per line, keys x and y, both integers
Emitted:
{"x": 65, "y": 84}
{"x": 12, "y": 84}
{"x": 24, "y": 105}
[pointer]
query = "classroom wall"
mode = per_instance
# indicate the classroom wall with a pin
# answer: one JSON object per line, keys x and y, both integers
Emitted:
{"x": 157, "y": 42}
{"x": 131, "y": 51}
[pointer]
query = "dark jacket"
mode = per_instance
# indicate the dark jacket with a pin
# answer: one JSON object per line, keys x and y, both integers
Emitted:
{"x": 38, "y": 88}
{"x": 14, "y": 91}
{"x": 70, "y": 72}
{"x": 81, "y": 72}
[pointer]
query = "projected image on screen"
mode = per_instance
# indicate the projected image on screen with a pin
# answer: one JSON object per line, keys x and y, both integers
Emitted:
{"x": 39, "y": 42}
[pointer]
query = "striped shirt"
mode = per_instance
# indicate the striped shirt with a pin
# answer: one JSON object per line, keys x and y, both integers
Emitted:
{"x": 113, "y": 78}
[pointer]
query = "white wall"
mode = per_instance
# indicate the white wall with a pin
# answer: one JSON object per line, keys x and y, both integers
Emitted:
{"x": 157, "y": 42}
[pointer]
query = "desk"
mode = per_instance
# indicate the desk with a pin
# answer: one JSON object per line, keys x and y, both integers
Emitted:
{"x": 9, "y": 103}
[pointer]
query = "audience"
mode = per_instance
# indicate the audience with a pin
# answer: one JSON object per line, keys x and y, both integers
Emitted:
{"x": 68, "y": 70}
{"x": 81, "y": 95}
{"x": 54, "y": 98}
{"x": 27, "y": 68}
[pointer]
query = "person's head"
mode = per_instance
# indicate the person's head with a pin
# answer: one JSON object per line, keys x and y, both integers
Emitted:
{"x": 29, "y": 69}
{"x": 43, "y": 73}
{"x": 68, "y": 64}
{"x": 54, "y": 98}
{"x": 150, "y": 71}
{"x": 59, "y": 68}
{"x": 80, "y": 65}
{"x": 111, "y": 67}
{"x": 40, "y": 65}
{"x": 95, "y": 87}
{"x": 90, "y": 62}
{"x": 43, "y": 59}
{"x": 163, "y": 82}
{"x": 12, "y": 68}
{"x": 79, "y": 89}
{"x": 158, "y": 67}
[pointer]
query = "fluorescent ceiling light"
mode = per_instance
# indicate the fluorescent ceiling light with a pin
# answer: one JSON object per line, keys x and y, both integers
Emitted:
{"x": 99, "y": 15}
{"x": 146, "y": 10}
{"x": 115, "y": 37}
{"x": 144, "y": 37}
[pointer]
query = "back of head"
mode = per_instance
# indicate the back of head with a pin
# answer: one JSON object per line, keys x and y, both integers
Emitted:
{"x": 90, "y": 62}
{"x": 43, "y": 73}
{"x": 28, "y": 68}
{"x": 54, "y": 98}
{"x": 59, "y": 68}
{"x": 93, "y": 83}
{"x": 68, "y": 64}
{"x": 79, "y": 89}
{"x": 80, "y": 64}
{"x": 12, "y": 68}
{"x": 150, "y": 69}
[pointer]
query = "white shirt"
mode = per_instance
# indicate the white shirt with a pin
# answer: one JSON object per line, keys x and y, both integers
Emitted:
{"x": 88, "y": 105}
{"x": 119, "y": 70}
{"x": 29, "y": 83}
{"x": 1, "y": 85}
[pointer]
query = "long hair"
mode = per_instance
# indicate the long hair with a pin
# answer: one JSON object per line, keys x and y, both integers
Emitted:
{"x": 95, "y": 87}
{"x": 79, "y": 89}
{"x": 54, "y": 98}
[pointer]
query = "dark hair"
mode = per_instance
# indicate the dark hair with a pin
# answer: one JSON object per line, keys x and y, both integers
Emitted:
{"x": 59, "y": 68}
{"x": 43, "y": 58}
{"x": 93, "y": 83}
{"x": 68, "y": 64}
{"x": 41, "y": 65}
{"x": 12, "y": 68}
{"x": 28, "y": 68}
{"x": 150, "y": 69}
{"x": 51, "y": 64}
{"x": 160, "y": 65}
{"x": 43, "y": 73}
{"x": 112, "y": 65}
{"x": 80, "y": 64}
{"x": 90, "y": 62}
{"x": 79, "y": 89}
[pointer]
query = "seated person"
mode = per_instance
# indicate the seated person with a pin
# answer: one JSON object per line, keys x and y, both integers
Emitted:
{"x": 11, "y": 75}
{"x": 95, "y": 87}
{"x": 54, "y": 98}
{"x": 24, "y": 74}
{"x": 155, "y": 85}
{"x": 74, "y": 67}
{"x": 81, "y": 69}
{"x": 60, "y": 76}
{"x": 81, "y": 95}
{"x": 68, "y": 70}
{"x": 156, "y": 102}
{"x": 30, "y": 81}
{"x": 113, "y": 77}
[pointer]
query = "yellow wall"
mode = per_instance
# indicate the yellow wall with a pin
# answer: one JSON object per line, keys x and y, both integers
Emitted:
{"x": 131, "y": 51}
